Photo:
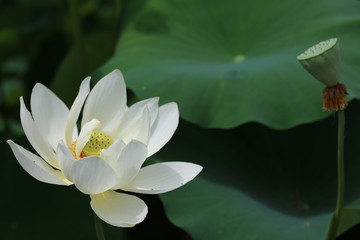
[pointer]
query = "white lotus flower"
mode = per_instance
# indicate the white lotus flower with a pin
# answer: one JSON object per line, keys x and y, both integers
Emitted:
{"x": 110, "y": 149}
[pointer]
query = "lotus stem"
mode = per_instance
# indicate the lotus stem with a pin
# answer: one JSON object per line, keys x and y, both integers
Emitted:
{"x": 99, "y": 228}
{"x": 340, "y": 190}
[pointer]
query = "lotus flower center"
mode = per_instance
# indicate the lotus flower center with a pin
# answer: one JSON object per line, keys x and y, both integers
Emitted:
{"x": 97, "y": 142}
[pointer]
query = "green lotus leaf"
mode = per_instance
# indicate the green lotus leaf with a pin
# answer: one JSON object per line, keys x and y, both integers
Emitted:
{"x": 230, "y": 62}
{"x": 350, "y": 218}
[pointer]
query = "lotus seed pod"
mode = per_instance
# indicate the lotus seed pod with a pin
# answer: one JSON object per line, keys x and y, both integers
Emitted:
{"x": 323, "y": 61}
{"x": 97, "y": 142}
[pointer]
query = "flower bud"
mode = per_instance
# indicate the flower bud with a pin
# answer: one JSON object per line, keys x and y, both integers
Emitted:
{"x": 323, "y": 61}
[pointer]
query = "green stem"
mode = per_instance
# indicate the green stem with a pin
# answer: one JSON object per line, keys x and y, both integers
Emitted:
{"x": 340, "y": 197}
{"x": 340, "y": 194}
{"x": 99, "y": 228}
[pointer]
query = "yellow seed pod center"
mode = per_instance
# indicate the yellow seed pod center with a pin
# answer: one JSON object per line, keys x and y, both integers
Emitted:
{"x": 97, "y": 142}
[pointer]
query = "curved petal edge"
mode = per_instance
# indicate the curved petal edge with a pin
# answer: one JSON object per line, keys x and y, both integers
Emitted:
{"x": 163, "y": 177}
{"x": 164, "y": 127}
{"x": 92, "y": 175}
{"x": 119, "y": 209}
{"x": 36, "y": 166}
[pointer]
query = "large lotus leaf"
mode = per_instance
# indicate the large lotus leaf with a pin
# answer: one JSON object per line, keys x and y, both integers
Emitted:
{"x": 234, "y": 61}
{"x": 351, "y": 217}
{"x": 264, "y": 184}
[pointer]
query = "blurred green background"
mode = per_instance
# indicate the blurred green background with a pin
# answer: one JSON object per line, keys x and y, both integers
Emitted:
{"x": 250, "y": 115}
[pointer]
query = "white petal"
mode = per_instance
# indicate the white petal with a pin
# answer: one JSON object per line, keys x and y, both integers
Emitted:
{"x": 49, "y": 114}
{"x": 136, "y": 129}
{"x": 106, "y": 101}
{"x": 36, "y": 166}
{"x": 119, "y": 209}
{"x": 112, "y": 153}
{"x": 136, "y": 110}
{"x": 134, "y": 113}
{"x": 92, "y": 175}
{"x": 66, "y": 159}
{"x": 85, "y": 135}
{"x": 129, "y": 162}
{"x": 164, "y": 127}
{"x": 163, "y": 177}
{"x": 75, "y": 111}
{"x": 36, "y": 139}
